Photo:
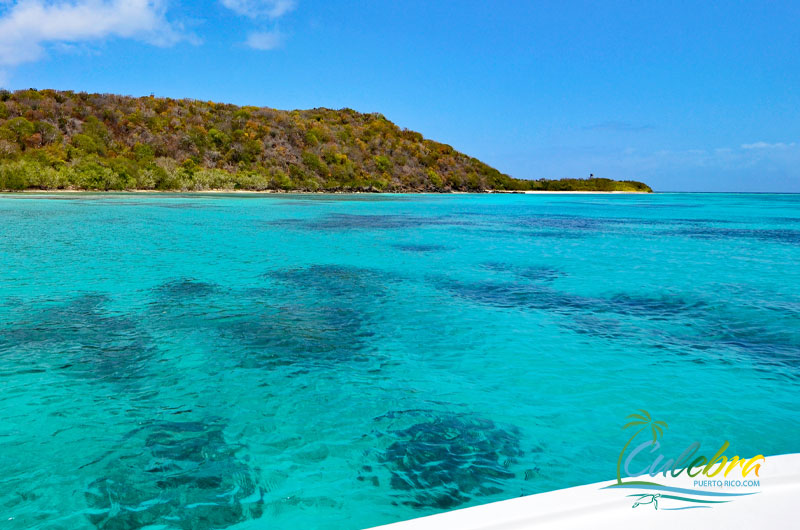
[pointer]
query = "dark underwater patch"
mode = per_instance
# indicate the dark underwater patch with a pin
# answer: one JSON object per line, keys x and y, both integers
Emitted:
{"x": 338, "y": 198}
{"x": 785, "y": 220}
{"x": 300, "y": 336}
{"x": 336, "y": 286}
{"x": 529, "y": 272}
{"x": 512, "y": 295}
{"x": 185, "y": 288}
{"x": 699, "y": 330}
{"x": 543, "y": 226}
{"x": 335, "y": 280}
{"x": 777, "y": 235}
{"x": 420, "y": 249}
{"x": 184, "y": 304}
{"x": 525, "y": 295}
{"x": 608, "y": 328}
{"x": 533, "y": 234}
{"x": 662, "y": 206}
{"x": 185, "y": 206}
{"x": 176, "y": 474}
{"x": 540, "y": 273}
{"x": 575, "y": 227}
{"x": 559, "y": 222}
{"x": 445, "y": 460}
{"x": 83, "y": 338}
{"x": 652, "y": 307}
{"x": 764, "y": 346}
{"x": 317, "y": 315}
{"x": 340, "y": 221}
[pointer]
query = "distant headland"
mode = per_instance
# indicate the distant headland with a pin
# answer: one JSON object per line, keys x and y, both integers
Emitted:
{"x": 62, "y": 140}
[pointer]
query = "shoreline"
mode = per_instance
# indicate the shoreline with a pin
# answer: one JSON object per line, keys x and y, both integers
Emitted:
{"x": 298, "y": 192}
{"x": 574, "y": 192}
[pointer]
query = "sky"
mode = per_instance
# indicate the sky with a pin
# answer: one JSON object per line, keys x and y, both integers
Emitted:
{"x": 686, "y": 96}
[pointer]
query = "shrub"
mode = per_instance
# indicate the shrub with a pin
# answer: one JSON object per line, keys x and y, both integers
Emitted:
{"x": 434, "y": 179}
{"x": 88, "y": 145}
{"x": 49, "y": 138}
{"x": 47, "y": 132}
{"x": 314, "y": 163}
{"x": 14, "y": 176}
{"x": 8, "y": 149}
{"x": 91, "y": 175}
{"x": 311, "y": 139}
{"x": 219, "y": 138}
{"x": 144, "y": 152}
{"x": 97, "y": 130}
{"x": 17, "y": 130}
{"x": 383, "y": 163}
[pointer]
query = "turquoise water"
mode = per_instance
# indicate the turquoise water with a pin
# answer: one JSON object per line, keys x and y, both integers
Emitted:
{"x": 346, "y": 361}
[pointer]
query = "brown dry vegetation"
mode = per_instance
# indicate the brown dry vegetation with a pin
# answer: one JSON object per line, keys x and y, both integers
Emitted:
{"x": 65, "y": 140}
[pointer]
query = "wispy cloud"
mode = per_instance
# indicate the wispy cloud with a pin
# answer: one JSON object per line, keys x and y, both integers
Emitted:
{"x": 766, "y": 145}
{"x": 620, "y": 126}
{"x": 700, "y": 168}
{"x": 260, "y": 8}
{"x": 28, "y": 27}
{"x": 780, "y": 158}
{"x": 32, "y": 29}
{"x": 264, "y": 40}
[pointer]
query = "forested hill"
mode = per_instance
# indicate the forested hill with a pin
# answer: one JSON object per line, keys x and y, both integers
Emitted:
{"x": 66, "y": 140}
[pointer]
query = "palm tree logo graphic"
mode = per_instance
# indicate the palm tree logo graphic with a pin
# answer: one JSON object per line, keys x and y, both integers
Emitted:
{"x": 642, "y": 421}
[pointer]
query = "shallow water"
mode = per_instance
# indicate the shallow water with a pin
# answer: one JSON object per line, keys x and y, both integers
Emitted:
{"x": 346, "y": 361}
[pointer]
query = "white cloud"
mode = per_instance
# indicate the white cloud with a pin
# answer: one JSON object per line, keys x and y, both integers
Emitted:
{"x": 264, "y": 40}
{"x": 27, "y": 26}
{"x": 260, "y": 8}
{"x": 271, "y": 9}
{"x": 765, "y": 145}
{"x": 29, "y": 29}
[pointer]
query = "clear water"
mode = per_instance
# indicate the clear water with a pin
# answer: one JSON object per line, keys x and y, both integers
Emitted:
{"x": 347, "y": 361}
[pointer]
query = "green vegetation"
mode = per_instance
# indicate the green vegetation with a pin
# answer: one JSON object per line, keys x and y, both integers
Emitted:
{"x": 64, "y": 140}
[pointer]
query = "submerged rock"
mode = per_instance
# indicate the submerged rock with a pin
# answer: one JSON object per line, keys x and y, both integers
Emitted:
{"x": 178, "y": 290}
{"x": 300, "y": 335}
{"x": 446, "y": 460}
{"x": 536, "y": 296}
{"x": 177, "y": 475}
{"x": 530, "y": 272}
{"x": 777, "y": 235}
{"x": 420, "y": 248}
{"x": 342, "y": 222}
{"x": 83, "y": 338}
{"x": 316, "y": 315}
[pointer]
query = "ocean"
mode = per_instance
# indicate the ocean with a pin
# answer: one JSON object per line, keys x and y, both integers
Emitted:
{"x": 343, "y": 361}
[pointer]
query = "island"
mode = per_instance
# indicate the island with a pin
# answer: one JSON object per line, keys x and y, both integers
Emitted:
{"x": 63, "y": 140}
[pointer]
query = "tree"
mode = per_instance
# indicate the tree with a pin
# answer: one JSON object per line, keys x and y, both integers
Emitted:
{"x": 17, "y": 130}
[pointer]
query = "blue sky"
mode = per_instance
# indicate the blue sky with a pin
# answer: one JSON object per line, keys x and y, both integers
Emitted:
{"x": 683, "y": 95}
